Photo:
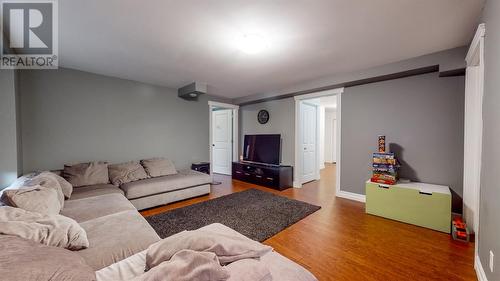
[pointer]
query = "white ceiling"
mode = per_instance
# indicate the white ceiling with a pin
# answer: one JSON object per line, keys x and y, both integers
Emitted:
{"x": 172, "y": 43}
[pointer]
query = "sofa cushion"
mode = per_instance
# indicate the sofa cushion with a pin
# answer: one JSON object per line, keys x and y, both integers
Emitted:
{"x": 115, "y": 237}
{"x": 55, "y": 230}
{"x": 151, "y": 186}
{"x": 65, "y": 186}
{"x": 89, "y": 208}
{"x": 94, "y": 190}
{"x": 157, "y": 167}
{"x": 39, "y": 199}
{"x": 23, "y": 259}
{"x": 84, "y": 174}
{"x": 17, "y": 184}
{"x": 126, "y": 172}
{"x": 49, "y": 180}
{"x": 150, "y": 201}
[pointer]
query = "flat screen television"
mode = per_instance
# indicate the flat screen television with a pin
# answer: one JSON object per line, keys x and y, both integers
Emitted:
{"x": 262, "y": 149}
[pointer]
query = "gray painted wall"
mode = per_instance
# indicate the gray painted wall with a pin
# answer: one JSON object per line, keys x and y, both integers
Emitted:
{"x": 71, "y": 116}
{"x": 422, "y": 114}
{"x": 281, "y": 121}
{"x": 8, "y": 128}
{"x": 422, "y": 118}
{"x": 489, "y": 214}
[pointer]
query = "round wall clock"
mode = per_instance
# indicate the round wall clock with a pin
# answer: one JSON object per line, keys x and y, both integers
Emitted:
{"x": 263, "y": 116}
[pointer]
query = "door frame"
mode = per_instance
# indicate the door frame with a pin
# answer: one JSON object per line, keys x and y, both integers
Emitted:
{"x": 235, "y": 111}
{"x": 297, "y": 179}
{"x": 475, "y": 58}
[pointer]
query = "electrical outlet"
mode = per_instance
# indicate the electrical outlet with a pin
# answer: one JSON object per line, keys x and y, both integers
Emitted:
{"x": 492, "y": 257}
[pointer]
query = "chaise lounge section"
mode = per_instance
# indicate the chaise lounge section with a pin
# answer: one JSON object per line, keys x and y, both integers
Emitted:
{"x": 162, "y": 190}
{"x": 114, "y": 228}
{"x": 147, "y": 183}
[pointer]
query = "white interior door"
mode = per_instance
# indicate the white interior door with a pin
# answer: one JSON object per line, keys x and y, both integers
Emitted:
{"x": 222, "y": 141}
{"x": 308, "y": 141}
{"x": 334, "y": 141}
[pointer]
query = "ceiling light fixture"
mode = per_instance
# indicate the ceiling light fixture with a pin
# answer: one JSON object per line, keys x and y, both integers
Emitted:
{"x": 252, "y": 43}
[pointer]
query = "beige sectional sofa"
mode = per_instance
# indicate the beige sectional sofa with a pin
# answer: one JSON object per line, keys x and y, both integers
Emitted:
{"x": 118, "y": 235}
{"x": 115, "y": 229}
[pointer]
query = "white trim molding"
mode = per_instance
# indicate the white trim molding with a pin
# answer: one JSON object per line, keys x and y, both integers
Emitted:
{"x": 351, "y": 196}
{"x": 326, "y": 93}
{"x": 338, "y": 147}
{"x": 235, "y": 108}
{"x": 223, "y": 105}
{"x": 481, "y": 275}
{"x": 297, "y": 179}
{"x": 476, "y": 42}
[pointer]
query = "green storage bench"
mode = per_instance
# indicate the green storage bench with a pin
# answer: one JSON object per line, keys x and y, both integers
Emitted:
{"x": 421, "y": 204}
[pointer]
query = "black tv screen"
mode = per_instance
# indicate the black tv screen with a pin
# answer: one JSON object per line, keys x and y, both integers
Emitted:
{"x": 262, "y": 149}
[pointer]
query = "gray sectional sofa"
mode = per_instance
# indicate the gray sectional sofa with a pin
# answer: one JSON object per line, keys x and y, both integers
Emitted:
{"x": 114, "y": 236}
{"x": 151, "y": 192}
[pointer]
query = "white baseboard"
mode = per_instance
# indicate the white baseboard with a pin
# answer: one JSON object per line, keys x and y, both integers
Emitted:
{"x": 351, "y": 196}
{"x": 297, "y": 184}
{"x": 481, "y": 276}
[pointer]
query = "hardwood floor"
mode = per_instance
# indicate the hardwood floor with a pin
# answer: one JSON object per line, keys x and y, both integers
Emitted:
{"x": 341, "y": 242}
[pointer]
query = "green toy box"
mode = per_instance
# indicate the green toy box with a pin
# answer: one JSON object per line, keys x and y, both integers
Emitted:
{"x": 421, "y": 204}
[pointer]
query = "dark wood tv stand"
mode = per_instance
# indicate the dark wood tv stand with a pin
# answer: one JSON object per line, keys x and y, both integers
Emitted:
{"x": 276, "y": 177}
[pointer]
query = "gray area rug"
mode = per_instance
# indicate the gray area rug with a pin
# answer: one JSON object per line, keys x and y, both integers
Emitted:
{"x": 253, "y": 213}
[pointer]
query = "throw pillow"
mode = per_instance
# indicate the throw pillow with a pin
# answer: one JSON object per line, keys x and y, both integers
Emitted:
{"x": 157, "y": 167}
{"x": 17, "y": 184}
{"x": 39, "y": 199}
{"x": 126, "y": 172}
{"x": 66, "y": 187}
{"x": 48, "y": 180}
{"x": 84, "y": 174}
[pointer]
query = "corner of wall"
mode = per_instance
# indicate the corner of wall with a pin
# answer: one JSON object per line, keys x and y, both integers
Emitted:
{"x": 18, "y": 123}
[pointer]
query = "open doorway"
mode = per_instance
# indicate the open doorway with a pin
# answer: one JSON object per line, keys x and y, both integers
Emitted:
{"x": 223, "y": 138}
{"x": 328, "y": 130}
{"x": 317, "y": 136}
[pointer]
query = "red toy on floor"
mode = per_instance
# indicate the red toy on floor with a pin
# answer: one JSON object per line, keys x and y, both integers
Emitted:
{"x": 459, "y": 230}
